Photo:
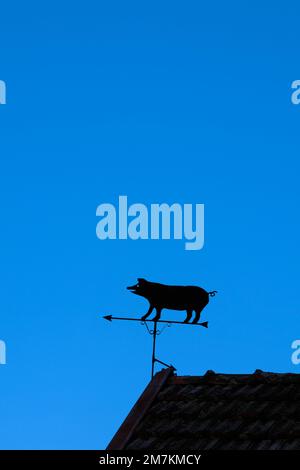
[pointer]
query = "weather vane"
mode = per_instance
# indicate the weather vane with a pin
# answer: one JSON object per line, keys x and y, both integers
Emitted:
{"x": 161, "y": 296}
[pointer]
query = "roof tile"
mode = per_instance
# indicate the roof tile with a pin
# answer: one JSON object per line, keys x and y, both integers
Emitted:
{"x": 223, "y": 411}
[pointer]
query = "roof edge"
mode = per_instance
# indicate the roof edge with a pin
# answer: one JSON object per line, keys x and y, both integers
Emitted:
{"x": 214, "y": 377}
{"x": 127, "y": 428}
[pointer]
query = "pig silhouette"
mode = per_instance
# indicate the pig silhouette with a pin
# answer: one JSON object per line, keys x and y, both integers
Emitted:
{"x": 160, "y": 296}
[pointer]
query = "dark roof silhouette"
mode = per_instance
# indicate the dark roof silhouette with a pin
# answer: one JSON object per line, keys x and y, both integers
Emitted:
{"x": 258, "y": 411}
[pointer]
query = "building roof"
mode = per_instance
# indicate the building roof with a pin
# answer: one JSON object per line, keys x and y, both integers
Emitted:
{"x": 258, "y": 411}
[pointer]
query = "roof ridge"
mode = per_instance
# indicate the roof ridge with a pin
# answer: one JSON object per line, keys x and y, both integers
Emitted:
{"x": 257, "y": 376}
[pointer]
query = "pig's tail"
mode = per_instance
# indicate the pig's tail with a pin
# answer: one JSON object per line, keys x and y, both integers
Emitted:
{"x": 212, "y": 293}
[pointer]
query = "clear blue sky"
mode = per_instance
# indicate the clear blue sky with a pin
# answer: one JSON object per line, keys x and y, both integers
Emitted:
{"x": 163, "y": 102}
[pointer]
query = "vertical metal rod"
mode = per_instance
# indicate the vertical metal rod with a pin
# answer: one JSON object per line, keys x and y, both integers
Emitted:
{"x": 153, "y": 349}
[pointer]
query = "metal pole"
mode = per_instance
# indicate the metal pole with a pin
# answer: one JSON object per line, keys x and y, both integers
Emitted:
{"x": 153, "y": 349}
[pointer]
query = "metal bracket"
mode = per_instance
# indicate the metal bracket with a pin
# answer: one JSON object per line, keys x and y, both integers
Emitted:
{"x": 154, "y": 333}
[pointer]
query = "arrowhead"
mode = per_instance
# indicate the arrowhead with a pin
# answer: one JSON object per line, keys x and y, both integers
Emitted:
{"x": 108, "y": 317}
{"x": 205, "y": 324}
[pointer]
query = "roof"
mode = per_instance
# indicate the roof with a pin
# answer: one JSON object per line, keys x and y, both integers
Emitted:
{"x": 258, "y": 411}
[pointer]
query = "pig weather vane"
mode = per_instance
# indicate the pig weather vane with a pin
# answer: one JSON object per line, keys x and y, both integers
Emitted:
{"x": 160, "y": 296}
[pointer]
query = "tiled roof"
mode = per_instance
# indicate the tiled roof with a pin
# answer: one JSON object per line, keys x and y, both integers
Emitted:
{"x": 215, "y": 411}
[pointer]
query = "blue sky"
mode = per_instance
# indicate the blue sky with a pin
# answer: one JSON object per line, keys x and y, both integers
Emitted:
{"x": 162, "y": 102}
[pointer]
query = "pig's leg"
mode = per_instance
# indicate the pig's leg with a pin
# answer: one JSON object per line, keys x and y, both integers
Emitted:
{"x": 148, "y": 313}
{"x": 188, "y": 316}
{"x": 197, "y": 316}
{"x": 158, "y": 314}
{"x": 198, "y": 313}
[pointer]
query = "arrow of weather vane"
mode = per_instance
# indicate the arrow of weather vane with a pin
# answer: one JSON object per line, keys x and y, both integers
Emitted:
{"x": 170, "y": 322}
